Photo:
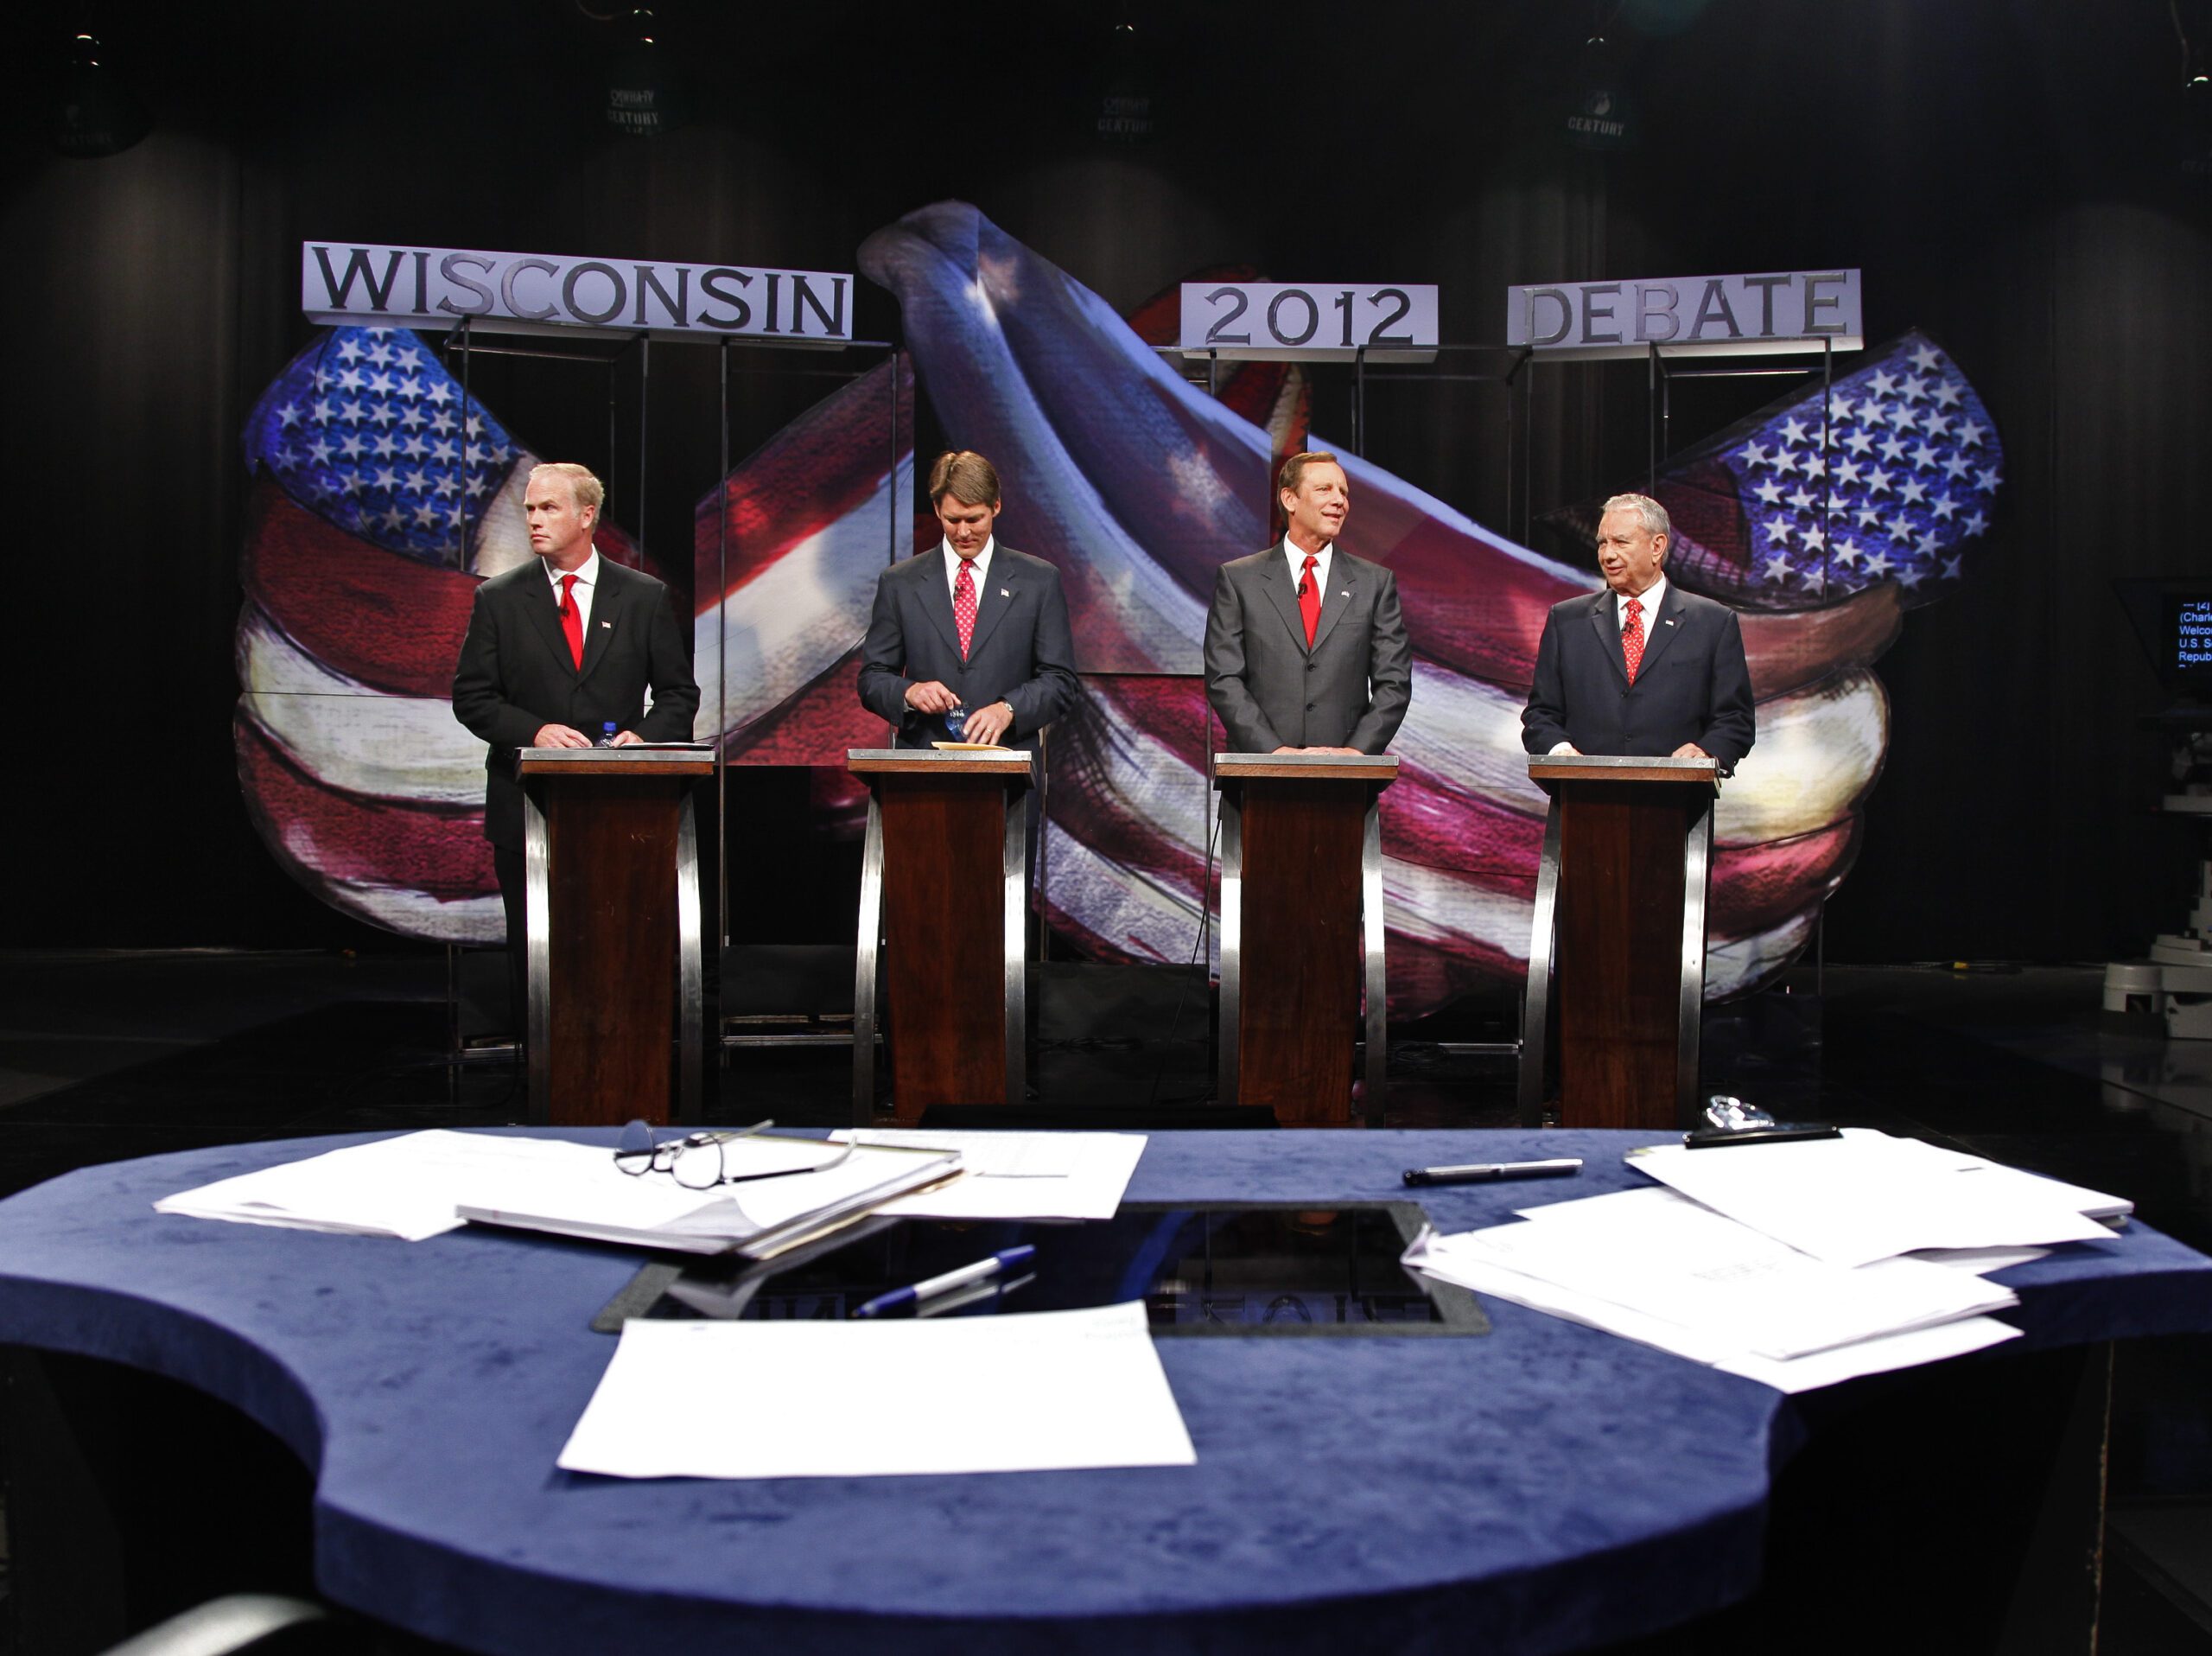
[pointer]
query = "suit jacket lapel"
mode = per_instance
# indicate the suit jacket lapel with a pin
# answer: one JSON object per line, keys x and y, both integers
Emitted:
{"x": 1602, "y": 619}
{"x": 990, "y": 608}
{"x": 606, "y": 617}
{"x": 1334, "y": 602}
{"x": 1274, "y": 576}
{"x": 937, "y": 596}
{"x": 544, "y": 612}
{"x": 1659, "y": 631}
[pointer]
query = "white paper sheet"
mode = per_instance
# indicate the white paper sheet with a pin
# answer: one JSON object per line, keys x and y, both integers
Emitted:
{"x": 736, "y": 1213}
{"x": 1868, "y": 1196}
{"x": 417, "y": 1185}
{"x": 1021, "y": 1176}
{"x": 1048, "y": 1392}
{"x": 1800, "y": 1374}
{"x": 408, "y": 1186}
{"x": 1663, "y": 1257}
{"x": 1617, "y": 1213}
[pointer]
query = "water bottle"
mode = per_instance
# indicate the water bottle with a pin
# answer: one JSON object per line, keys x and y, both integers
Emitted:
{"x": 956, "y": 724}
{"x": 606, "y": 736}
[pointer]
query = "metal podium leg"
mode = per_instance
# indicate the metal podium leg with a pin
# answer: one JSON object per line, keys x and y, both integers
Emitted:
{"x": 1697, "y": 870}
{"x": 537, "y": 907}
{"x": 865, "y": 956}
{"x": 1378, "y": 981}
{"x": 1232, "y": 940}
{"x": 1535, "y": 1006}
{"x": 1016, "y": 871}
{"x": 690, "y": 975}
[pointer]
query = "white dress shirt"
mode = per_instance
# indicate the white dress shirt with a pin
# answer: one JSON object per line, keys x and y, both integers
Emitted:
{"x": 1651, "y": 598}
{"x": 1298, "y": 565}
{"x": 981, "y": 564}
{"x": 586, "y": 574}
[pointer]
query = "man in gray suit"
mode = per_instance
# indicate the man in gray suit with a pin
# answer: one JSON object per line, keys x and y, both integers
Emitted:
{"x": 1306, "y": 646}
{"x": 970, "y": 624}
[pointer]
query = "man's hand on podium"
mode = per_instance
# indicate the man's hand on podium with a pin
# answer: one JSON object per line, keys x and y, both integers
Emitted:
{"x": 1350, "y": 752}
{"x": 1691, "y": 750}
{"x": 627, "y": 738}
{"x": 559, "y": 736}
{"x": 930, "y": 698}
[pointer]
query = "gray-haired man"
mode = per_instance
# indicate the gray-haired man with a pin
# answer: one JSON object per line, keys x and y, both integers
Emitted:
{"x": 1642, "y": 668}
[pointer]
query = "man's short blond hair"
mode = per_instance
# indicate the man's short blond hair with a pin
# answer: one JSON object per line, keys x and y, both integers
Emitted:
{"x": 1648, "y": 512}
{"x": 1294, "y": 469}
{"x": 586, "y": 489}
{"x": 966, "y": 476}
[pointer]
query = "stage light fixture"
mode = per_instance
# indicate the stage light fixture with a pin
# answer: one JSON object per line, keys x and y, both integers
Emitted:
{"x": 93, "y": 113}
{"x": 645, "y": 92}
{"x": 1128, "y": 107}
{"x": 1598, "y": 113}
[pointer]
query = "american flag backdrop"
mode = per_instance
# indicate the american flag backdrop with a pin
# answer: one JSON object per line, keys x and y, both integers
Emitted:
{"x": 1889, "y": 478}
{"x": 367, "y": 538}
{"x": 381, "y": 497}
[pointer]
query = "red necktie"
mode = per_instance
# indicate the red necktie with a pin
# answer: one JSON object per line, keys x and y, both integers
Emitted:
{"x": 572, "y": 619}
{"x": 963, "y": 607}
{"x": 1309, "y": 599}
{"x": 1632, "y": 638}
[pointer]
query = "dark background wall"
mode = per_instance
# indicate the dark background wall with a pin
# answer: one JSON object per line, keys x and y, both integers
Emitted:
{"x": 2021, "y": 178}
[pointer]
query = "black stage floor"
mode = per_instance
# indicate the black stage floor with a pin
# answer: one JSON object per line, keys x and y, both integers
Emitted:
{"x": 106, "y": 1056}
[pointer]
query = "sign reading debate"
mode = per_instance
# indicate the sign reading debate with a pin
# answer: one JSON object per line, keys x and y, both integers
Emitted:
{"x": 1685, "y": 316}
{"x": 1282, "y": 321}
{"x": 344, "y": 285}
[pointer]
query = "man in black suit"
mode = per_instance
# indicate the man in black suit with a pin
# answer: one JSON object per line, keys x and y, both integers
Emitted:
{"x": 1643, "y": 667}
{"x": 556, "y": 650}
{"x": 1305, "y": 648}
{"x": 971, "y": 624}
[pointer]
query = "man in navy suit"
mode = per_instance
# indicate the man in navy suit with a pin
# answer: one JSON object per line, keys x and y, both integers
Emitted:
{"x": 1642, "y": 668}
{"x": 557, "y": 649}
{"x": 970, "y": 624}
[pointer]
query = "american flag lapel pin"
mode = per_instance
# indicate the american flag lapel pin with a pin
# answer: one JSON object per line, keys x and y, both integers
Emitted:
{"x": 1003, "y": 593}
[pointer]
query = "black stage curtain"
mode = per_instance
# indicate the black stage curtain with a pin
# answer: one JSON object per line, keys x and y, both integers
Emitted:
{"x": 2012, "y": 178}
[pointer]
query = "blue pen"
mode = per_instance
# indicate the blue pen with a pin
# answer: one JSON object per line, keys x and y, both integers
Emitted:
{"x": 981, "y": 1271}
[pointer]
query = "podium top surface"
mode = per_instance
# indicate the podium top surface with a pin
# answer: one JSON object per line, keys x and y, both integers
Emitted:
{"x": 965, "y": 761}
{"x": 1620, "y": 768}
{"x": 1306, "y": 767}
{"x": 618, "y": 761}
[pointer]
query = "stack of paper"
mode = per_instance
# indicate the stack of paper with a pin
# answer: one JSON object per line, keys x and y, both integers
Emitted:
{"x": 1868, "y": 1196}
{"x": 405, "y": 1187}
{"x": 1048, "y": 1392}
{"x": 1796, "y": 1263}
{"x": 419, "y": 1184}
{"x": 1652, "y": 1266}
{"x": 1019, "y": 1175}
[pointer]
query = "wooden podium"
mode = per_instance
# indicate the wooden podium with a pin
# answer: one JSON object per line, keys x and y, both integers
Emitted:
{"x": 943, "y": 933}
{"x": 1616, "y": 950}
{"x": 1301, "y": 933}
{"x": 611, "y": 852}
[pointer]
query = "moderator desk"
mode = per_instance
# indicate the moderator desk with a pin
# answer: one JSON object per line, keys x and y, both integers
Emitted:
{"x": 1544, "y": 1488}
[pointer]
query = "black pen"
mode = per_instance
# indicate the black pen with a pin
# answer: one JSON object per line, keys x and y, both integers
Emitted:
{"x": 1485, "y": 1172}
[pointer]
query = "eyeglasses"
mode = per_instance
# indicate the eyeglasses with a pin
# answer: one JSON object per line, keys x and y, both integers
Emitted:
{"x": 695, "y": 1161}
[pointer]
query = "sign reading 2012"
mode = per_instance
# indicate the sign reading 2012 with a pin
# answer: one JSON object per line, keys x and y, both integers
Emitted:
{"x": 1310, "y": 321}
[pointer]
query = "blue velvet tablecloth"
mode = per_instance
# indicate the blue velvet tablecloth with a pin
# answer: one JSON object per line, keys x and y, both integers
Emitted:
{"x": 1545, "y": 1488}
